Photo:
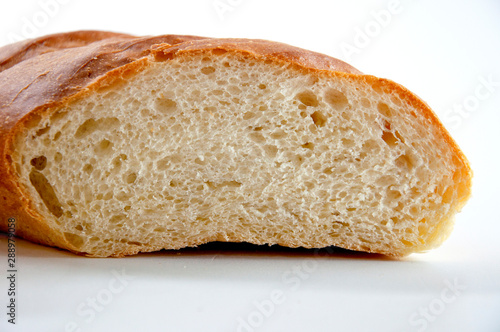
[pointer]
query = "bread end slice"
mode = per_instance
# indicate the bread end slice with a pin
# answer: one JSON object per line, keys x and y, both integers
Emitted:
{"x": 236, "y": 141}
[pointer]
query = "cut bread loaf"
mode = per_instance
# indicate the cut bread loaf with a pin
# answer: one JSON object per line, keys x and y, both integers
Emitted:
{"x": 123, "y": 144}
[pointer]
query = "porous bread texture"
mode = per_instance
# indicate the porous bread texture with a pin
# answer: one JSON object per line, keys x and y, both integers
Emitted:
{"x": 226, "y": 147}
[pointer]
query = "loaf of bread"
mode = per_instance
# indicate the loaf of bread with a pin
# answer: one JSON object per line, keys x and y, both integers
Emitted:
{"x": 112, "y": 144}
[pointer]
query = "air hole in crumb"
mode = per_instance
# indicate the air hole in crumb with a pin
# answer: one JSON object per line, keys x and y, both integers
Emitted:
{"x": 257, "y": 137}
{"x": 123, "y": 196}
{"x": 386, "y": 125}
{"x": 218, "y": 51}
{"x": 348, "y": 143}
{"x": 399, "y": 137}
{"x": 248, "y": 115}
{"x": 208, "y": 70}
{"x": 86, "y": 128}
{"x": 384, "y": 109}
{"x": 405, "y": 162}
{"x": 42, "y": 131}
{"x": 307, "y": 98}
{"x": 46, "y": 192}
{"x": 389, "y": 138}
{"x": 365, "y": 102}
{"x": 232, "y": 184}
{"x": 318, "y": 118}
{"x": 58, "y": 157}
{"x": 270, "y": 150}
{"x": 88, "y": 168}
{"x": 57, "y": 135}
{"x": 407, "y": 243}
{"x": 74, "y": 239}
{"x": 262, "y": 209}
{"x": 39, "y": 162}
{"x": 393, "y": 195}
{"x": 58, "y": 116}
{"x": 104, "y": 147}
{"x": 262, "y": 86}
{"x": 233, "y": 89}
{"x": 278, "y": 134}
{"x": 91, "y": 125}
{"x": 131, "y": 178}
{"x": 309, "y": 185}
{"x": 308, "y": 145}
{"x": 200, "y": 160}
{"x": 328, "y": 170}
{"x": 165, "y": 105}
{"x": 117, "y": 161}
{"x": 336, "y": 99}
{"x": 396, "y": 100}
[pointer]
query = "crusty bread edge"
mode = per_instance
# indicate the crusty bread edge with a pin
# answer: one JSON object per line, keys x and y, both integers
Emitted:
{"x": 13, "y": 54}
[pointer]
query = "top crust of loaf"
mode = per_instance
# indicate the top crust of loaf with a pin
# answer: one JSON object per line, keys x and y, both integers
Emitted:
{"x": 12, "y": 54}
{"x": 40, "y": 75}
{"x": 261, "y": 49}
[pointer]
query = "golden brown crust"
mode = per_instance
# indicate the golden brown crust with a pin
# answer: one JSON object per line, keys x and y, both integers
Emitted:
{"x": 12, "y": 54}
{"x": 42, "y": 79}
{"x": 260, "y": 48}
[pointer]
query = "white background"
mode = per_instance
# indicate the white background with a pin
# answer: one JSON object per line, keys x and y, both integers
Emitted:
{"x": 444, "y": 51}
